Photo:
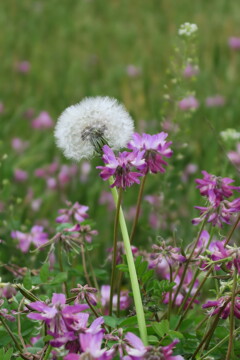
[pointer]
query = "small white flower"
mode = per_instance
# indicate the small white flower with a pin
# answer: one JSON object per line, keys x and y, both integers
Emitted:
{"x": 187, "y": 29}
{"x": 85, "y": 127}
{"x": 230, "y": 134}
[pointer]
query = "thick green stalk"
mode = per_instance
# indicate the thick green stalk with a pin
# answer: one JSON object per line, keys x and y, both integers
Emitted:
{"x": 132, "y": 271}
{"x": 114, "y": 258}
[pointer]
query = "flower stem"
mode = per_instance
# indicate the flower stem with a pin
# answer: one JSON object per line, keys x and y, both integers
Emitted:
{"x": 219, "y": 344}
{"x": 232, "y": 231}
{"x": 132, "y": 271}
{"x": 188, "y": 262}
{"x": 231, "y": 331}
{"x": 5, "y": 325}
{"x": 92, "y": 271}
{"x": 47, "y": 353}
{"x": 212, "y": 328}
{"x": 194, "y": 297}
{"x": 114, "y": 258}
{"x": 85, "y": 266}
{"x": 60, "y": 261}
{"x": 139, "y": 200}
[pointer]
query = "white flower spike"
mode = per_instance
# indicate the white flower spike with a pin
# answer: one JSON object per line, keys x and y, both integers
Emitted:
{"x": 83, "y": 129}
{"x": 187, "y": 29}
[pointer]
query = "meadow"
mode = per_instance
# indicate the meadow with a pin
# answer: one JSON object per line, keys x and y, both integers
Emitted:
{"x": 54, "y": 54}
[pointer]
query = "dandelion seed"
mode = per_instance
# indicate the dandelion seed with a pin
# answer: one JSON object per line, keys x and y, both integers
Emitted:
{"x": 84, "y": 128}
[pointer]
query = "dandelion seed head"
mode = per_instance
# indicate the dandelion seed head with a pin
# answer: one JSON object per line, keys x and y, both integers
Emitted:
{"x": 86, "y": 126}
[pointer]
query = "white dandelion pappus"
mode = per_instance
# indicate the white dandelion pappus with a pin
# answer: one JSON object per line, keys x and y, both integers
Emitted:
{"x": 85, "y": 127}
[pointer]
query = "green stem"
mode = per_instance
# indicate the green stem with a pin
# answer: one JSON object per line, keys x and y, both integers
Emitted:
{"x": 132, "y": 271}
{"x": 92, "y": 271}
{"x": 10, "y": 333}
{"x": 219, "y": 344}
{"x": 232, "y": 231}
{"x": 211, "y": 330}
{"x": 85, "y": 266}
{"x": 170, "y": 292}
{"x": 47, "y": 353}
{"x": 60, "y": 261}
{"x": 195, "y": 275}
{"x": 194, "y": 297}
{"x": 188, "y": 262}
{"x": 230, "y": 343}
{"x": 139, "y": 200}
{"x": 114, "y": 258}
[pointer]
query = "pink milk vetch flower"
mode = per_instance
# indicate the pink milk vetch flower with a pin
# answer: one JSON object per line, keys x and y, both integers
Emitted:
{"x": 36, "y": 236}
{"x": 121, "y": 167}
{"x": 154, "y": 148}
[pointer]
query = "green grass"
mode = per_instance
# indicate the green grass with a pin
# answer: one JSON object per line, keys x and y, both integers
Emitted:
{"x": 82, "y": 48}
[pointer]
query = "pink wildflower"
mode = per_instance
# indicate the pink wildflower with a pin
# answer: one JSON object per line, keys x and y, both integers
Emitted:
{"x": 215, "y": 101}
{"x": 188, "y": 103}
{"x": 234, "y": 43}
{"x": 43, "y": 121}
{"x": 154, "y": 148}
{"x": 20, "y": 175}
{"x": 121, "y": 167}
{"x": 36, "y": 236}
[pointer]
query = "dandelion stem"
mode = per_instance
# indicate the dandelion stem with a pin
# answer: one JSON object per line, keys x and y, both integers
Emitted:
{"x": 114, "y": 258}
{"x": 132, "y": 271}
{"x": 139, "y": 200}
{"x": 231, "y": 331}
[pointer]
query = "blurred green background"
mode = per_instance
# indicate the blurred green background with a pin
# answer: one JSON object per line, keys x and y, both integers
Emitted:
{"x": 84, "y": 48}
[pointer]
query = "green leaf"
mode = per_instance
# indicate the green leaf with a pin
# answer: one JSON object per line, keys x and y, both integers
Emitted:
{"x": 110, "y": 321}
{"x": 122, "y": 267}
{"x": 8, "y": 354}
{"x": 59, "y": 278}
{"x": 44, "y": 273}
{"x": 27, "y": 281}
{"x": 142, "y": 268}
{"x": 129, "y": 321}
{"x": 153, "y": 339}
{"x": 161, "y": 328}
{"x": 175, "y": 334}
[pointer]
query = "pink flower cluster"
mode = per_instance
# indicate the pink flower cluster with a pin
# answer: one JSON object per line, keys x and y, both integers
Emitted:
{"x": 147, "y": 155}
{"x": 217, "y": 190}
{"x": 56, "y": 176}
